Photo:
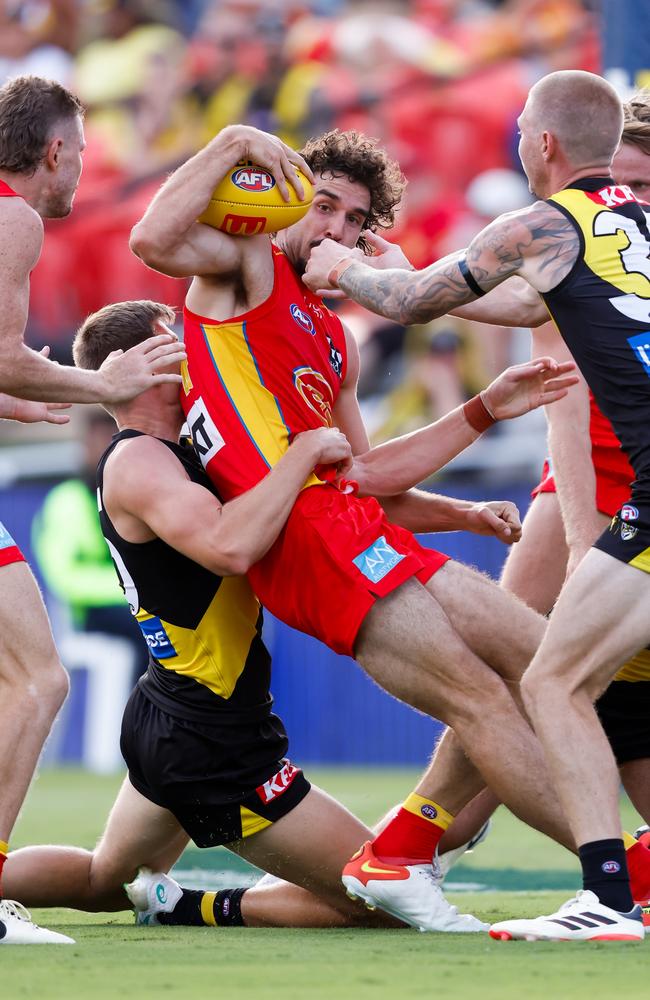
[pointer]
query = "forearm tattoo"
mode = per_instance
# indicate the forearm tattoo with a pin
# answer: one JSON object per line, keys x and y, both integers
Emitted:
{"x": 540, "y": 236}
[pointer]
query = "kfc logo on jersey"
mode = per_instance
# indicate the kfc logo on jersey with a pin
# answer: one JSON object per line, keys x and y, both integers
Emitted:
{"x": 278, "y": 784}
{"x": 628, "y": 512}
{"x": 250, "y": 179}
{"x": 302, "y": 318}
{"x": 336, "y": 358}
{"x": 616, "y": 194}
{"x": 316, "y": 392}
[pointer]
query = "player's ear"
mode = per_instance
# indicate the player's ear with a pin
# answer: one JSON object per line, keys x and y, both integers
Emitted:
{"x": 53, "y": 153}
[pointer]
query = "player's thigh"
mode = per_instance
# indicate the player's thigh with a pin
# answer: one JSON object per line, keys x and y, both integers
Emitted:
{"x": 26, "y": 641}
{"x": 536, "y": 566}
{"x": 309, "y": 845}
{"x": 496, "y": 625}
{"x": 409, "y": 646}
{"x": 600, "y": 621}
{"x": 138, "y": 833}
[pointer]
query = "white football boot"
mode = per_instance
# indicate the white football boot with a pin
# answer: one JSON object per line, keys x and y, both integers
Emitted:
{"x": 449, "y": 858}
{"x": 411, "y": 893}
{"x": 17, "y": 927}
{"x": 152, "y": 893}
{"x": 583, "y": 918}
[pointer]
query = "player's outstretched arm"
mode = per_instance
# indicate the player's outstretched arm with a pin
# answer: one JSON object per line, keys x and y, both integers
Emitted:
{"x": 536, "y": 243}
{"x": 404, "y": 462}
{"x": 28, "y": 374}
{"x": 143, "y": 480}
{"x": 168, "y": 237}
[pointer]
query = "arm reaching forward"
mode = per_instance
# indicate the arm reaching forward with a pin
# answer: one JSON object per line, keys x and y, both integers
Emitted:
{"x": 404, "y": 462}
{"x": 537, "y": 243}
{"x": 29, "y": 374}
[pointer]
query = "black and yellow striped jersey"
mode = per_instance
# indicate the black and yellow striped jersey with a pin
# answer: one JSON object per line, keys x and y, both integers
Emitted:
{"x": 207, "y": 658}
{"x": 602, "y": 309}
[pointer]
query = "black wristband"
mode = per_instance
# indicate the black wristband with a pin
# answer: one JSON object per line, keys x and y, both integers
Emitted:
{"x": 470, "y": 280}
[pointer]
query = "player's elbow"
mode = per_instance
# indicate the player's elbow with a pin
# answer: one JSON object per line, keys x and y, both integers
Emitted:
{"x": 231, "y": 559}
{"x": 143, "y": 243}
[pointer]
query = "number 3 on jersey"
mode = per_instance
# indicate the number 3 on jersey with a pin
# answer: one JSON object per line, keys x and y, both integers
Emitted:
{"x": 633, "y": 277}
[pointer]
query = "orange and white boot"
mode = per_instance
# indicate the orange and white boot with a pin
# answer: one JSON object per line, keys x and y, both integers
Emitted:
{"x": 411, "y": 893}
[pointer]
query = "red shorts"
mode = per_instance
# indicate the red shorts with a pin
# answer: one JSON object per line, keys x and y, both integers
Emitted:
{"x": 336, "y": 555}
{"x": 613, "y": 484}
{"x": 9, "y": 551}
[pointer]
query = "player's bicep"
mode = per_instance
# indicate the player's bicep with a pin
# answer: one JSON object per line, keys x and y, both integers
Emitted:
{"x": 203, "y": 250}
{"x": 184, "y": 519}
{"x": 21, "y": 238}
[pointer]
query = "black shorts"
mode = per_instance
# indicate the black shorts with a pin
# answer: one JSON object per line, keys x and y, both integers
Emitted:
{"x": 222, "y": 782}
{"x": 624, "y": 711}
{"x": 628, "y": 536}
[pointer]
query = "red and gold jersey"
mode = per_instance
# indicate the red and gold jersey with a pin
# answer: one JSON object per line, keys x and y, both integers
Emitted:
{"x": 254, "y": 381}
{"x": 7, "y": 192}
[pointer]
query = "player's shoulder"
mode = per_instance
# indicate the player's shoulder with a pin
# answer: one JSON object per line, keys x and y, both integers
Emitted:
{"x": 141, "y": 463}
{"x": 21, "y": 229}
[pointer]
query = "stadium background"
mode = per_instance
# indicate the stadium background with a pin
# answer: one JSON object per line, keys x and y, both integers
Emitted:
{"x": 440, "y": 83}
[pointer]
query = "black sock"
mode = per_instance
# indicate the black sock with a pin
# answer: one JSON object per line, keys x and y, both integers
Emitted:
{"x": 604, "y": 871}
{"x": 196, "y": 908}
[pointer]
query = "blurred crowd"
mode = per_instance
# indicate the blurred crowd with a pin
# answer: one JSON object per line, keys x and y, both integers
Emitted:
{"x": 439, "y": 82}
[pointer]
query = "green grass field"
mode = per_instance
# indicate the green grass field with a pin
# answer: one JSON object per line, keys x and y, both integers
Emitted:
{"x": 521, "y": 872}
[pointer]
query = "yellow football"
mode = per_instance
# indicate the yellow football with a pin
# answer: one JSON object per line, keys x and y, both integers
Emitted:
{"x": 248, "y": 202}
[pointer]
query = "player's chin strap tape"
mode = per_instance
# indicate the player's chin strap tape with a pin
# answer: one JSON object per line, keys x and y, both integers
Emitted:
{"x": 471, "y": 281}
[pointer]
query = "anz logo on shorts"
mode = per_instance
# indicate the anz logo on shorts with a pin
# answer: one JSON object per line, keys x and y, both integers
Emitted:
{"x": 156, "y": 638}
{"x": 378, "y": 560}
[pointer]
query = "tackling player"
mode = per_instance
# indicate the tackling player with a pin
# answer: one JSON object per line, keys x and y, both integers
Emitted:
{"x": 41, "y": 145}
{"x": 205, "y": 753}
{"x": 584, "y": 248}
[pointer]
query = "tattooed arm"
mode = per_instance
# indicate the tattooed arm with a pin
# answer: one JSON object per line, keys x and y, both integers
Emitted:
{"x": 538, "y": 243}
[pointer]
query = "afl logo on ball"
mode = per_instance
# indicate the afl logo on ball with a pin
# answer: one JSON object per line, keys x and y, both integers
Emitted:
{"x": 250, "y": 179}
{"x": 303, "y": 319}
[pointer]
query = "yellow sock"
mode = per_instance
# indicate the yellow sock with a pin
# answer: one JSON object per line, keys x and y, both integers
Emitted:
{"x": 428, "y": 809}
{"x": 628, "y": 840}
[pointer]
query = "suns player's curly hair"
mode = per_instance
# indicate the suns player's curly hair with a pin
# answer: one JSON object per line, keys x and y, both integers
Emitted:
{"x": 636, "y": 121}
{"x": 353, "y": 155}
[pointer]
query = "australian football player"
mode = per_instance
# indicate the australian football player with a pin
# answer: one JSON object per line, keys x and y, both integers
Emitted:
{"x": 584, "y": 247}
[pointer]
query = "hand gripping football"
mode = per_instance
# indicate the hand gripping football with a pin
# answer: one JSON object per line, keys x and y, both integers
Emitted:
{"x": 248, "y": 202}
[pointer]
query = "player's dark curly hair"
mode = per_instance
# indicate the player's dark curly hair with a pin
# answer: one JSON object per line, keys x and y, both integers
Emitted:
{"x": 30, "y": 108}
{"x": 351, "y": 154}
{"x": 636, "y": 121}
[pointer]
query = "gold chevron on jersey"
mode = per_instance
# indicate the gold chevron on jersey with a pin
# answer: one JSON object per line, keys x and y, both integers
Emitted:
{"x": 215, "y": 651}
{"x": 256, "y": 407}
